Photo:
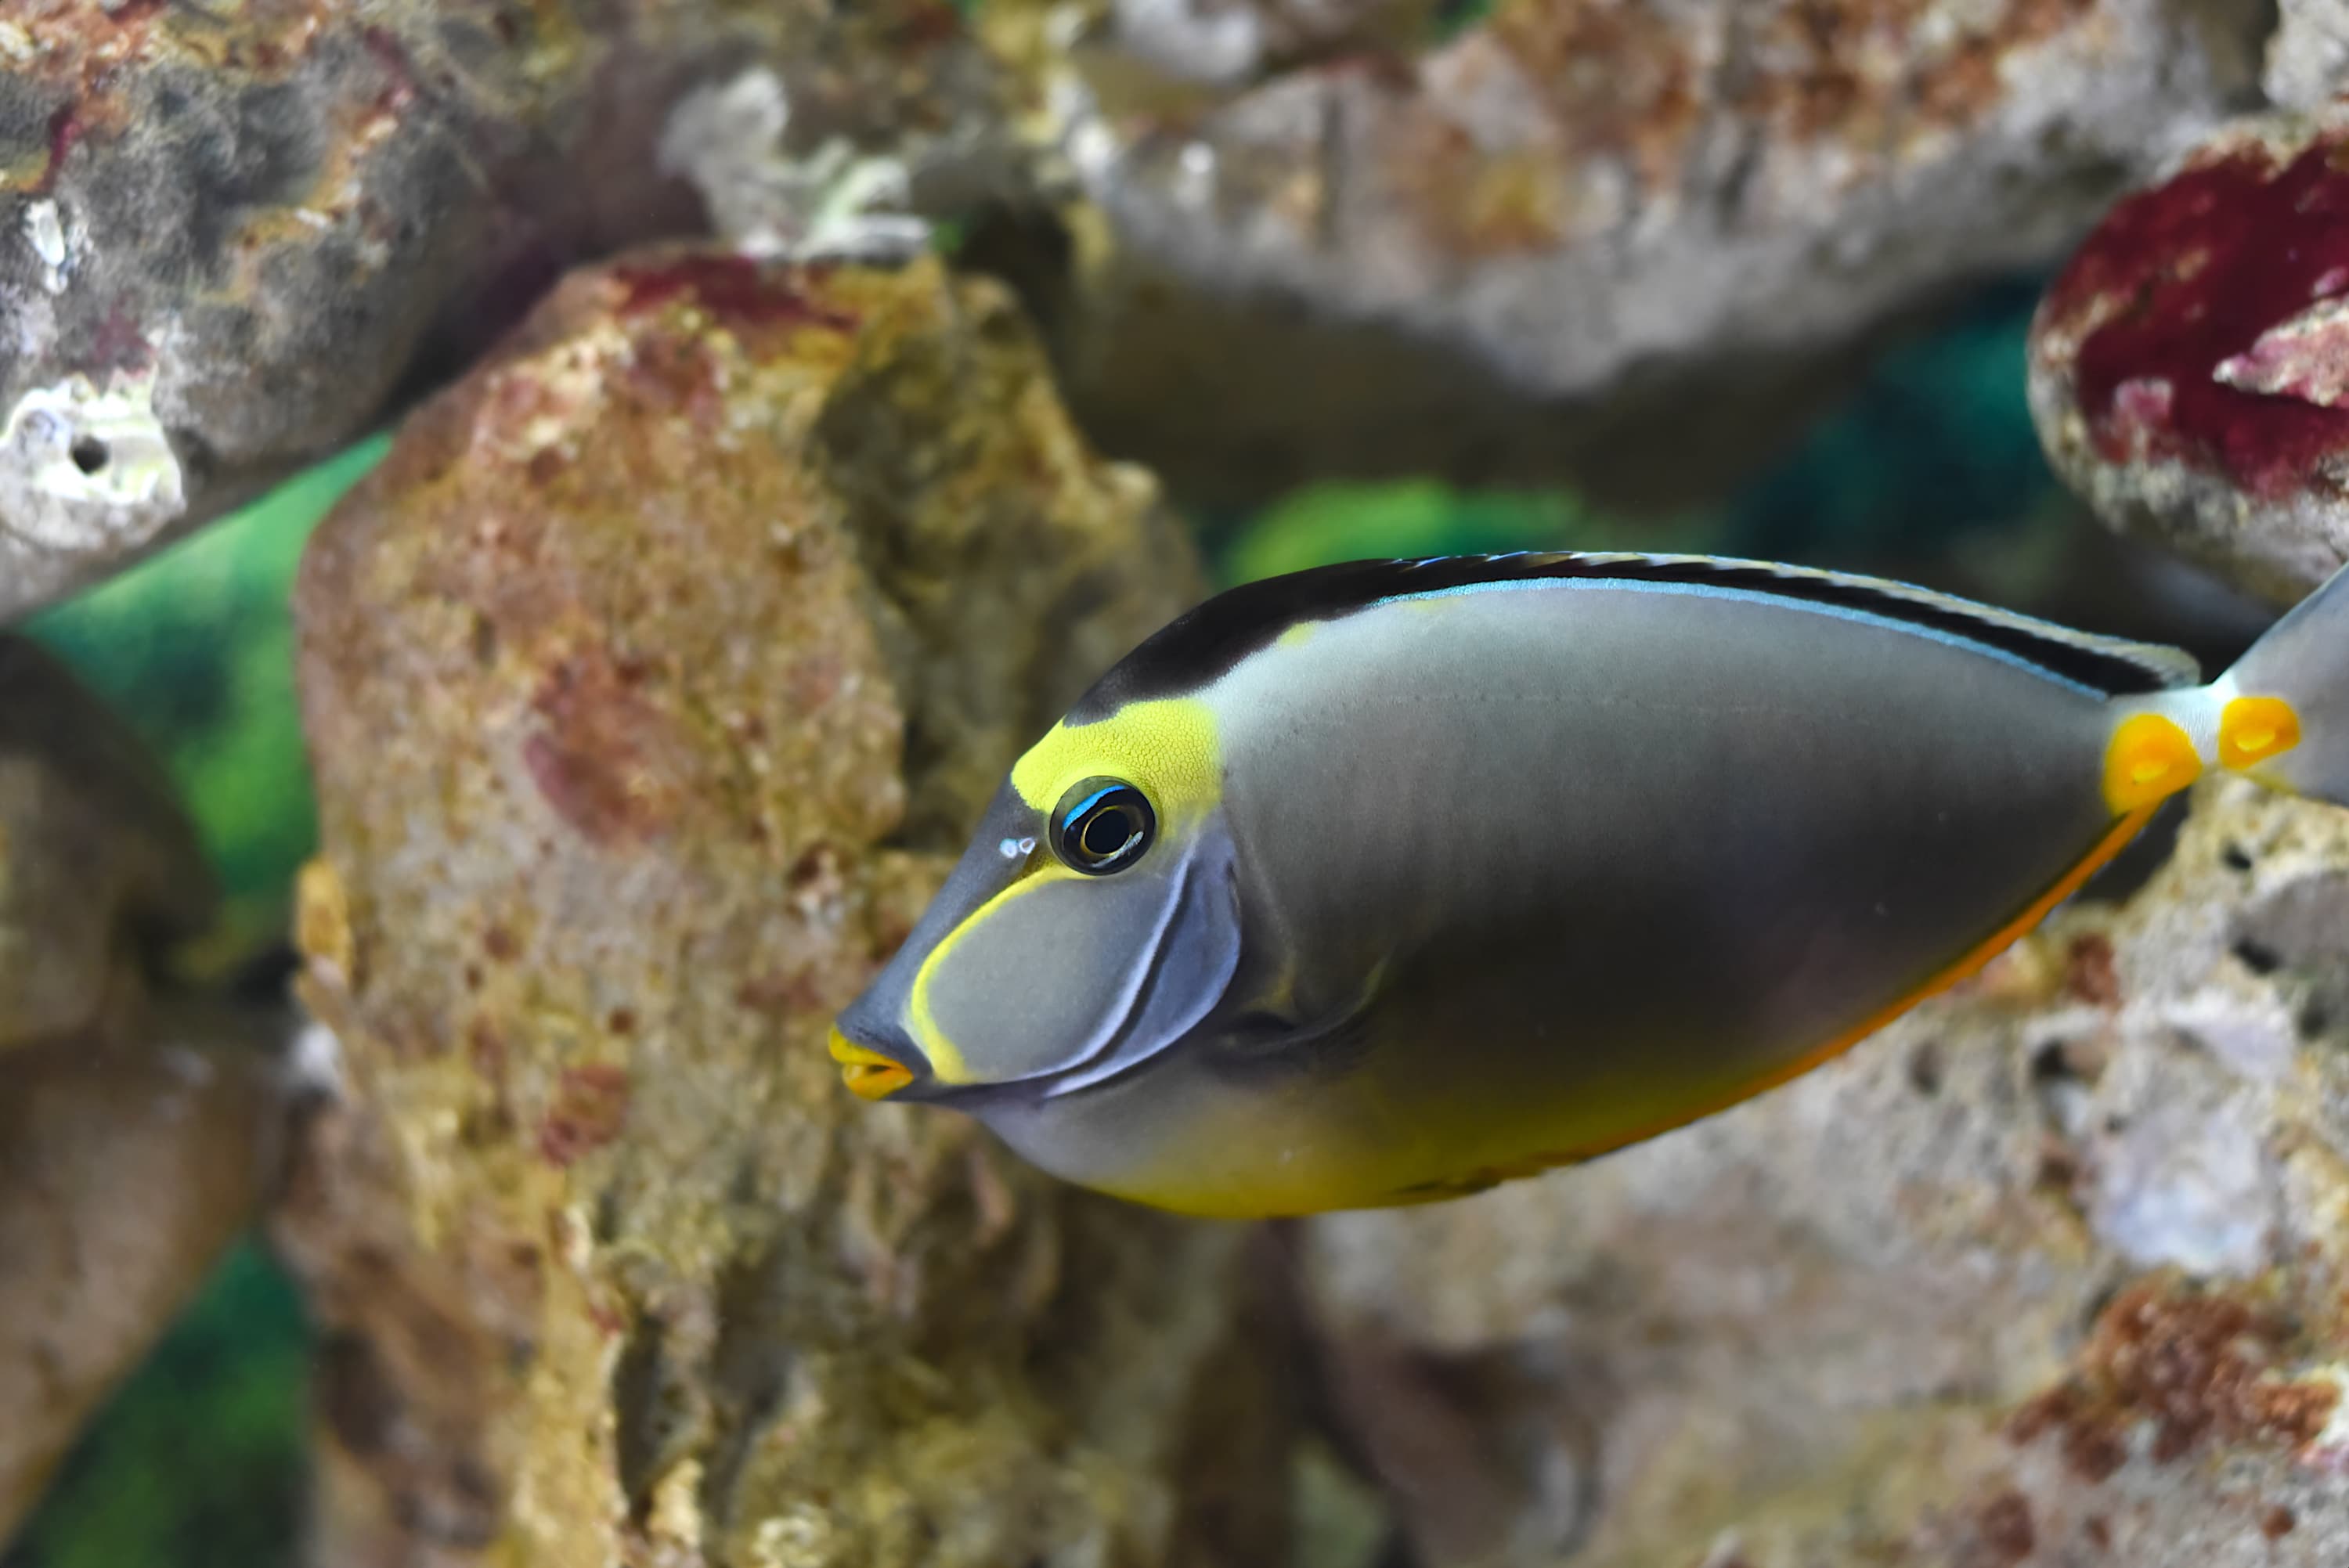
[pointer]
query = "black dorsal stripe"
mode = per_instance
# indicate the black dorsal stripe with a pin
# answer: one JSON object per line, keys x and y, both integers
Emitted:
{"x": 1203, "y": 644}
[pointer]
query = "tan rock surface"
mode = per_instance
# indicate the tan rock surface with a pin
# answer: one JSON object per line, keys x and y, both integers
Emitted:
{"x": 649, "y": 683}
{"x": 133, "y": 1126}
{"x": 99, "y": 868}
{"x": 126, "y": 1167}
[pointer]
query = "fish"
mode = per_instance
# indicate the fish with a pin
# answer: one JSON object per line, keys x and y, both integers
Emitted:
{"x": 1383, "y": 882}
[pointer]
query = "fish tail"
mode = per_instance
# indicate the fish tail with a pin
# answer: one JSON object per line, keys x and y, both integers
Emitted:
{"x": 2282, "y": 714}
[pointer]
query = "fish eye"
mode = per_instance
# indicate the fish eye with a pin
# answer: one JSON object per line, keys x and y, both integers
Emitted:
{"x": 1103, "y": 825}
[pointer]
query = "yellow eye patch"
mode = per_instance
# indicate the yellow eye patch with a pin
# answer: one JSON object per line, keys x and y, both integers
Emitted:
{"x": 1169, "y": 748}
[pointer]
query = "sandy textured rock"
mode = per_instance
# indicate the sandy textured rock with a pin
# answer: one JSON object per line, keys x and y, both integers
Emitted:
{"x": 2189, "y": 367}
{"x": 228, "y": 233}
{"x": 98, "y": 867}
{"x": 1614, "y": 237}
{"x": 133, "y": 1126}
{"x": 649, "y": 683}
{"x": 2051, "y": 1272}
{"x": 126, "y": 1166}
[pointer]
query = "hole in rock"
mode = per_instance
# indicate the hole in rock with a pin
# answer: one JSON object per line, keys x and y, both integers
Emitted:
{"x": 2257, "y": 956}
{"x": 2051, "y": 1064}
{"x": 1925, "y": 1069}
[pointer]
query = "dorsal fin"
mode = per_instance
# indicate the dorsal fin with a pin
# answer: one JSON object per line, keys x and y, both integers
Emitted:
{"x": 1198, "y": 647}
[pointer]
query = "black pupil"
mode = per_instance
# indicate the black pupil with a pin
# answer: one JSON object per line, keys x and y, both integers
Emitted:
{"x": 1105, "y": 833}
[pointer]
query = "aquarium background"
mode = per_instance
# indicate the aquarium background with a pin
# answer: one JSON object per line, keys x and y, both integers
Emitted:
{"x": 1928, "y": 469}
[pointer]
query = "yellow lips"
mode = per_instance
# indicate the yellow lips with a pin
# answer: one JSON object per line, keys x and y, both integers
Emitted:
{"x": 869, "y": 1075}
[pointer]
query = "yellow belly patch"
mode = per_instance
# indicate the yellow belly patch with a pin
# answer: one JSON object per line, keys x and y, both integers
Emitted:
{"x": 2255, "y": 729}
{"x": 2149, "y": 760}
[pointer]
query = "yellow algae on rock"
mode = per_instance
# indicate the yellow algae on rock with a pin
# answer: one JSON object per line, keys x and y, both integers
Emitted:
{"x": 649, "y": 681}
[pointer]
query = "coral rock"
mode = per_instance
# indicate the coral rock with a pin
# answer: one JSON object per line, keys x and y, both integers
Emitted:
{"x": 1580, "y": 223}
{"x": 98, "y": 867}
{"x": 650, "y": 682}
{"x": 2189, "y": 367}
{"x": 2050, "y": 1271}
{"x": 131, "y": 1126}
{"x": 227, "y": 234}
{"x": 2308, "y": 57}
{"x": 125, "y": 1168}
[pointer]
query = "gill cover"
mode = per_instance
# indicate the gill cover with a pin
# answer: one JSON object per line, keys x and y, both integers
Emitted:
{"x": 1025, "y": 971}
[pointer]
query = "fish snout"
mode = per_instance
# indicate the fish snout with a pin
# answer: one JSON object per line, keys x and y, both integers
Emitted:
{"x": 868, "y": 1074}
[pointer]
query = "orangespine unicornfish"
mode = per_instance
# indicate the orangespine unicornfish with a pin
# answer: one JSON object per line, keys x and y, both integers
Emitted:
{"x": 1386, "y": 882}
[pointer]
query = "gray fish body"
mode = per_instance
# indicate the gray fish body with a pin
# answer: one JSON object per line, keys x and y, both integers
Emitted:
{"x": 1597, "y": 854}
{"x": 1459, "y": 869}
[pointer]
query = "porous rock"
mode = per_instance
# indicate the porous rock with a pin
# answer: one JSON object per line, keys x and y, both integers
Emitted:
{"x": 100, "y": 871}
{"x": 1624, "y": 239}
{"x": 650, "y": 683}
{"x": 2051, "y": 1270}
{"x": 1307, "y": 243}
{"x": 2189, "y": 367}
{"x": 132, "y": 1124}
{"x": 228, "y": 235}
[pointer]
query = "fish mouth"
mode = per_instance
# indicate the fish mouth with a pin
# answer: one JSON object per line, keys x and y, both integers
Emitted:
{"x": 868, "y": 1074}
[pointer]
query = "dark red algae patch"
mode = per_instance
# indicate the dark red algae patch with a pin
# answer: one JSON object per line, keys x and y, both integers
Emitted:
{"x": 117, "y": 343}
{"x": 65, "y": 131}
{"x": 2199, "y": 268}
{"x": 734, "y": 289}
{"x": 591, "y": 1108}
{"x": 2004, "y": 1526}
{"x": 2194, "y": 1366}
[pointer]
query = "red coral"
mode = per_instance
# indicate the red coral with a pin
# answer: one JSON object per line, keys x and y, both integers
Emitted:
{"x": 2006, "y": 1526}
{"x": 2197, "y": 1365}
{"x": 734, "y": 289}
{"x": 2189, "y": 278}
{"x": 606, "y": 762}
{"x": 2090, "y": 974}
{"x": 591, "y": 1107}
{"x": 65, "y": 127}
